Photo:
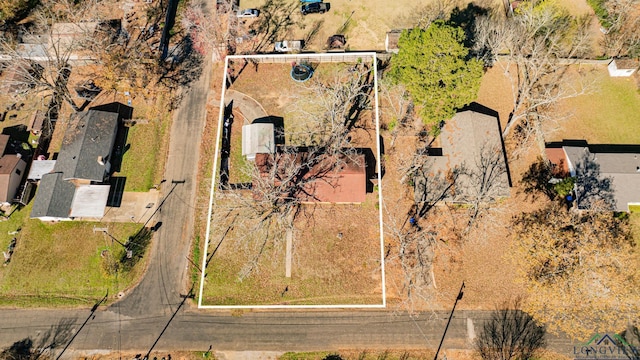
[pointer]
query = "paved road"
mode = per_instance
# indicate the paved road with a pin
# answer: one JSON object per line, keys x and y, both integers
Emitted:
{"x": 159, "y": 291}
{"x": 259, "y": 331}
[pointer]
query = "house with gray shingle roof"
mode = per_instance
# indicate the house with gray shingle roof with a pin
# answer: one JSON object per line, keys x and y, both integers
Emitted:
{"x": 53, "y": 199}
{"x": 74, "y": 188}
{"x": 608, "y": 173}
{"x": 85, "y": 154}
{"x": 471, "y": 157}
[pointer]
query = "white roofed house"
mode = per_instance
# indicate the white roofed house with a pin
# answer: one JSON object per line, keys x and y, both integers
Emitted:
{"x": 258, "y": 138}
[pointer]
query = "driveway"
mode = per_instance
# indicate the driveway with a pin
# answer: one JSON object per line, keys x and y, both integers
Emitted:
{"x": 134, "y": 207}
{"x": 248, "y": 106}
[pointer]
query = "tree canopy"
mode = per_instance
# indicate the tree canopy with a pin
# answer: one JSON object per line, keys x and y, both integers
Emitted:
{"x": 579, "y": 268}
{"x": 435, "y": 67}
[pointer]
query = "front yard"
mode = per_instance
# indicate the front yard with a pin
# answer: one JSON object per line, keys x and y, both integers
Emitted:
{"x": 62, "y": 264}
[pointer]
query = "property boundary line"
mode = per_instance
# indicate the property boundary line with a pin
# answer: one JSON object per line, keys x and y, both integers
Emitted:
{"x": 271, "y": 58}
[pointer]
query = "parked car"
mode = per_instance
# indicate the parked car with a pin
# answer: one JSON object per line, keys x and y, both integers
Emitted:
{"x": 310, "y": 1}
{"x": 248, "y": 13}
{"x": 289, "y": 46}
{"x": 318, "y": 7}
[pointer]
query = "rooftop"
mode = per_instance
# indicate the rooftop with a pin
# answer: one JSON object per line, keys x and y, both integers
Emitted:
{"x": 54, "y": 197}
{"x": 87, "y": 144}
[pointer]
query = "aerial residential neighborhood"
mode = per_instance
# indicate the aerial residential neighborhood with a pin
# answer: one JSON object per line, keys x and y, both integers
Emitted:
{"x": 304, "y": 179}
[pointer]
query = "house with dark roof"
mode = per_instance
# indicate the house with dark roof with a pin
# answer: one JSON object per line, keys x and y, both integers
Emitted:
{"x": 85, "y": 154}
{"x": 75, "y": 188}
{"x": 471, "y": 156}
{"x": 12, "y": 168}
{"x": 609, "y": 174}
{"x": 325, "y": 182}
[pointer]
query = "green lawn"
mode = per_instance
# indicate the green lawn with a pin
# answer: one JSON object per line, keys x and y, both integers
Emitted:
{"x": 63, "y": 263}
{"x": 143, "y": 161}
{"x": 609, "y": 115}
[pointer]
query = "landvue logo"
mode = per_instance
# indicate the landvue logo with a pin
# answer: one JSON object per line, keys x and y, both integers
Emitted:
{"x": 606, "y": 347}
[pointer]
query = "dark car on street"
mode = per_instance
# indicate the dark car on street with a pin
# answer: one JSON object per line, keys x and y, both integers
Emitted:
{"x": 319, "y": 7}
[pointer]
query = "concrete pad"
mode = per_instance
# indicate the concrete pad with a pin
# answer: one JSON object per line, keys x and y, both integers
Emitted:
{"x": 134, "y": 207}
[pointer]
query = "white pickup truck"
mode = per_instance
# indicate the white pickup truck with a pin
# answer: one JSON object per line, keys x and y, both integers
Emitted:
{"x": 289, "y": 46}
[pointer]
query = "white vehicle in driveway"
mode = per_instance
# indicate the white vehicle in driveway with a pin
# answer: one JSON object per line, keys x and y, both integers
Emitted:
{"x": 289, "y": 46}
{"x": 248, "y": 13}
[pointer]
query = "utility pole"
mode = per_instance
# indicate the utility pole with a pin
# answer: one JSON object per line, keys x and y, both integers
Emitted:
{"x": 458, "y": 298}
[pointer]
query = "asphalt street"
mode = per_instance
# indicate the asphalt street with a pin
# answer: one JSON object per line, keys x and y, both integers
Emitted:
{"x": 253, "y": 331}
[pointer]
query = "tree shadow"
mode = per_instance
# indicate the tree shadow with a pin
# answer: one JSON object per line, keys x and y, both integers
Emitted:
{"x": 56, "y": 336}
{"x": 510, "y": 333}
{"x": 591, "y": 187}
{"x": 538, "y": 180}
{"x": 181, "y": 68}
{"x": 136, "y": 246}
{"x": 466, "y": 19}
{"x": 276, "y": 18}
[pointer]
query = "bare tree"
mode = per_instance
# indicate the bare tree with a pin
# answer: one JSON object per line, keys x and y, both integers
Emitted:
{"x": 483, "y": 183}
{"x": 584, "y": 258}
{"x": 397, "y": 107}
{"x": 510, "y": 333}
{"x": 620, "y": 26}
{"x": 41, "y": 56}
{"x": 414, "y": 254}
{"x": 283, "y": 180}
{"x": 212, "y": 33}
{"x": 538, "y": 42}
{"x": 421, "y": 16}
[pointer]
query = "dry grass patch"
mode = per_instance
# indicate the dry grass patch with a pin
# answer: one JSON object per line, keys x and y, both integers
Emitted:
{"x": 327, "y": 268}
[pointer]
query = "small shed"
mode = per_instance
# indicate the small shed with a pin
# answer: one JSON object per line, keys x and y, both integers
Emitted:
{"x": 391, "y": 41}
{"x": 258, "y": 138}
{"x": 622, "y": 67}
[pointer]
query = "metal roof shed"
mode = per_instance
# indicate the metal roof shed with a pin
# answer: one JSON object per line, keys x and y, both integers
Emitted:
{"x": 258, "y": 138}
